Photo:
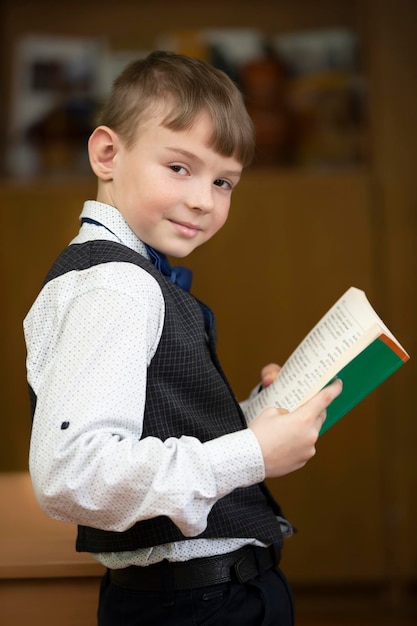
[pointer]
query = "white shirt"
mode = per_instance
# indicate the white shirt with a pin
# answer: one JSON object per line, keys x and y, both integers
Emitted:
{"x": 90, "y": 337}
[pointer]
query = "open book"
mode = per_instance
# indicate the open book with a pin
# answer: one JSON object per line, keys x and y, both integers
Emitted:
{"x": 350, "y": 342}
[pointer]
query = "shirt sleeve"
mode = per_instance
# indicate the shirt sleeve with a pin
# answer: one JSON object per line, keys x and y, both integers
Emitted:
{"x": 89, "y": 346}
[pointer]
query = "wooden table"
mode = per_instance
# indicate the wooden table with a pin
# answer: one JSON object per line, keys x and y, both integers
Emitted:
{"x": 43, "y": 580}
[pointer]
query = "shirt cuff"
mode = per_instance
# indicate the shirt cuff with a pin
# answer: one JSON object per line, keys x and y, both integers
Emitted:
{"x": 236, "y": 460}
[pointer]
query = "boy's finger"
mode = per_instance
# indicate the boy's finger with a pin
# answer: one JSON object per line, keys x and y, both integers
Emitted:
{"x": 329, "y": 393}
{"x": 326, "y": 396}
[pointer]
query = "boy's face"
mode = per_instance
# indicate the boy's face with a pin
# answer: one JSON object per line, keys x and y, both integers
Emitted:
{"x": 171, "y": 188}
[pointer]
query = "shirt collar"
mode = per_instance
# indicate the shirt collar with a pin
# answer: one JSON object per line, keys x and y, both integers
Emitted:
{"x": 111, "y": 219}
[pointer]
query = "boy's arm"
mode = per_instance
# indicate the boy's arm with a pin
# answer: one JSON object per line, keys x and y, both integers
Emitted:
{"x": 87, "y": 461}
{"x": 87, "y": 365}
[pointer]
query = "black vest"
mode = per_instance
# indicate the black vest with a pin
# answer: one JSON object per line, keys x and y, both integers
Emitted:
{"x": 187, "y": 394}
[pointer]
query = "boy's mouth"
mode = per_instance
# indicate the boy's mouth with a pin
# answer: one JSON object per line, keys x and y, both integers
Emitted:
{"x": 186, "y": 229}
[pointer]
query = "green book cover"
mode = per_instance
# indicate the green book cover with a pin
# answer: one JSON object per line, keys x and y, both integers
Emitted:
{"x": 361, "y": 376}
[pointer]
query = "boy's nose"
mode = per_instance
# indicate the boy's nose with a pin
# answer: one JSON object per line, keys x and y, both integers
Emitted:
{"x": 201, "y": 197}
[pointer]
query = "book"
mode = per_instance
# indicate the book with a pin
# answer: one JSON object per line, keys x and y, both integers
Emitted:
{"x": 350, "y": 342}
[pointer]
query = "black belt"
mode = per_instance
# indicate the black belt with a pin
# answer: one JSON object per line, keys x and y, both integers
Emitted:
{"x": 240, "y": 565}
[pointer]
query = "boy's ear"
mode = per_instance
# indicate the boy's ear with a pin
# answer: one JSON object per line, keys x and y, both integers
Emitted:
{"x": 102, "y": 148}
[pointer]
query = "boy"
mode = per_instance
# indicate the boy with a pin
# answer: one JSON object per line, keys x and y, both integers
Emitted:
{"x": 137, "y": 437}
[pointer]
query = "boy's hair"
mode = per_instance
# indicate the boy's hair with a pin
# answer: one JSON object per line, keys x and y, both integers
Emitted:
{"x": 188, "y": 86}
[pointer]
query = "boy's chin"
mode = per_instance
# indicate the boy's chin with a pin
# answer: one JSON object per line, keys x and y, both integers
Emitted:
{"x": 179, "y": 252}
{"x": 182, "y": 255}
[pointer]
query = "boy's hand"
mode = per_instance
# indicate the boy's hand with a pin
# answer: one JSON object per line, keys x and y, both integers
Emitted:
{"x": 269, "y": 374}
{"x": 288, "y": 440}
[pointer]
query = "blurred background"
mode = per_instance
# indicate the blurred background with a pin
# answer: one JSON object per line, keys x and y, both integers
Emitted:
{"x": 330, "y": 202}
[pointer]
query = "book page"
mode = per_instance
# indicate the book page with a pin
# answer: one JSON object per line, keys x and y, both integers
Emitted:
{"x": 322, "y": 353}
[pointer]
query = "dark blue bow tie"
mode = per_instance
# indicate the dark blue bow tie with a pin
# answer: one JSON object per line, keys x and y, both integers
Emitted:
{"x": 181, "y": 276}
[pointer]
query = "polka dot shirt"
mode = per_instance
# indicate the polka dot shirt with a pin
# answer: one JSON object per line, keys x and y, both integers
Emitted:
{"x": 90, "y": 337}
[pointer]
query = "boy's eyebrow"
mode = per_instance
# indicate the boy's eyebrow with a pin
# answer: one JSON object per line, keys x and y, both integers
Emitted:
{"x": 194, "y": 157}
{"x": 186, "y": 153}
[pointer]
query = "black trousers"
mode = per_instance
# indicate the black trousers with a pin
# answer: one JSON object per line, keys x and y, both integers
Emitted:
{"x": 263, "y": 601}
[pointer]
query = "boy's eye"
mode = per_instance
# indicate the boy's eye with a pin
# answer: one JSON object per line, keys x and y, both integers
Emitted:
{"x": 224, "y": 184}
{"x": 179, "y": 169}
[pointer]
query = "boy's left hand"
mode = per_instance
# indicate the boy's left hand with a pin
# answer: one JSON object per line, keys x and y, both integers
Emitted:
{"x": 269, "y": 373}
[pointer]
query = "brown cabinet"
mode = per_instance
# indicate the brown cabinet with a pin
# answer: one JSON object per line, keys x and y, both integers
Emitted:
{"x": 42, "y": 579}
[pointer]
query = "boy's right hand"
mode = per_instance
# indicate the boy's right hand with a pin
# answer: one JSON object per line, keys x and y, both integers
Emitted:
{"x": 288, "y": 440}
